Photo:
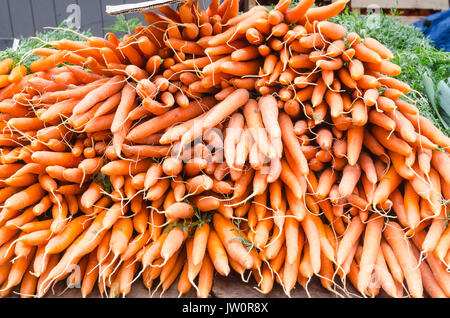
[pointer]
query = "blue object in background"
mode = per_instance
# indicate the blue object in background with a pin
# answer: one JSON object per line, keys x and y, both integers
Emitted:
{"x": 437, "y": 28}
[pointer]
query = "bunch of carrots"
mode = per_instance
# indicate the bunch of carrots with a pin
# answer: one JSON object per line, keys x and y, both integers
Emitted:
{"x": 272, "y": 143}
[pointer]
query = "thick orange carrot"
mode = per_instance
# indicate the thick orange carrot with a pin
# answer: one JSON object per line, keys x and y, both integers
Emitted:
{"x": 106, "y": 90}
{"x": 351, "y": 235}
{"x": 371, "y": 246}
{"x": 291, "y": 143}
{"x": 388, "y": 183}
{"x": 25, "y": 197}
{"x": 232, "y": 102}
{"x": 228, "y": 234}
{"x": 325, "y": 12}
{"x": 350, "y": 177}
{"x": 385, "y": 278}
{"x": 395, "y": 236}
{"x": 169, "y": 118}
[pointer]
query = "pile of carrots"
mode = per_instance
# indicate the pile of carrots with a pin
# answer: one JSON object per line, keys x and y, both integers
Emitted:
{"x": 270, "y": 142}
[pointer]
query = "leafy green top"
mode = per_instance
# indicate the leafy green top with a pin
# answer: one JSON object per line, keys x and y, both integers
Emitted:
{"x": 103, "y": 181}
{"x": 190, "y": 225}
{"x": 23, "y": 54}
{"x": 122, "y": 25}
{"x": 237, "y": 226}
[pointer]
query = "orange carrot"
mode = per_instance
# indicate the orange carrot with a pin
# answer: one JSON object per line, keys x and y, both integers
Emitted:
{"x": 371, "y": 245}
{"x": 395, "y": 236}
{"x": 351, "y": 235}
{"x": 325, "y": 12}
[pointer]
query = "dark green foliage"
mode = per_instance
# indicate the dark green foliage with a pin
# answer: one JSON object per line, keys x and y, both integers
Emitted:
{"x": 123, "y": 26}
{"x": 103, "y": 181}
